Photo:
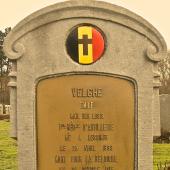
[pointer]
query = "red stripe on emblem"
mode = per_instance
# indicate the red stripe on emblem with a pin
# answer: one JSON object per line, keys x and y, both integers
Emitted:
{"x": 98, "y": 44}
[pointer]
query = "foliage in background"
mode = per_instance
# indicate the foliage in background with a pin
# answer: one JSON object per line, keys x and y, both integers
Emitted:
{"x": 4, "y": 61}
{"x": 5, "y": 66}
{"x": 8, "y": 148}
{"x": 164, "y": 69}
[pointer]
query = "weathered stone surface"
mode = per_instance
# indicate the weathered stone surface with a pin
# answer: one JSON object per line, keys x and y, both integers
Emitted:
{"x": 37, "y": 47}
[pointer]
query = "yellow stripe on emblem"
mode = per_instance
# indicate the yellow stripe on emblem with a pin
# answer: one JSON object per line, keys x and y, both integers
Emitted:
{"x": 84, "y": 31}
{"x": 85, "y": 36}
{"x": 85, "y": 59}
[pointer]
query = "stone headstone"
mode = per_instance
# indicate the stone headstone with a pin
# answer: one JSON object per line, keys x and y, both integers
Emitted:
{"x": 7, "y": 109}
{"x": 165, "y": 112}
{"x": 87, "y": 83}
{"x": 1, "y": 109}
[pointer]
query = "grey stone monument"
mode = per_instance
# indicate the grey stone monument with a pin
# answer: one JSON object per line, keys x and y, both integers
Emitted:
{"x": 85, "y": 78}
{"x": 165, "y": 112}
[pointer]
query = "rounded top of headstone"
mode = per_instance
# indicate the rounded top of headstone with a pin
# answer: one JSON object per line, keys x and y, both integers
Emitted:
{"x": 84, "y": 9}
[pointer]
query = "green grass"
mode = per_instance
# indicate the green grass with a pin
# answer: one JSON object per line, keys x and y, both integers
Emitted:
{"x": 8, "y": 148}
{"x": 161, "y": 153}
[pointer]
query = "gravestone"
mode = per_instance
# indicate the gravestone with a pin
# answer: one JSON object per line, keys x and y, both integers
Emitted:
{"x": 1, "y": 109}
{"x": 165, "y": 112}
{"x": 85, "y": 88}
{"x": 7, "y": 109}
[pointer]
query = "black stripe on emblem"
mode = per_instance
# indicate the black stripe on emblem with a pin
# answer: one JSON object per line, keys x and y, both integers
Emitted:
{"x": 72, "y": 45}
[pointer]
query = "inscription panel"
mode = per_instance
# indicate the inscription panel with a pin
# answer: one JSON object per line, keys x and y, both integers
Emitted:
{"x": 85, "y": 122}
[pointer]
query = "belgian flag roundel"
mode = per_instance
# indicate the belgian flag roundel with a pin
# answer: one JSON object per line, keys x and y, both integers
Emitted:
{"x": 85, "y": 44}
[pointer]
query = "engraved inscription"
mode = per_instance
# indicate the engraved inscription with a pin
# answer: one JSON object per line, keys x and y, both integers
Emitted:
{"x": 85, "y": 122}
{"x": 87, "y": 92}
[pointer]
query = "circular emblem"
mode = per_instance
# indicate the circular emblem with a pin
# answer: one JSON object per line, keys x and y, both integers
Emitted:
{"x": 85, "y": 44}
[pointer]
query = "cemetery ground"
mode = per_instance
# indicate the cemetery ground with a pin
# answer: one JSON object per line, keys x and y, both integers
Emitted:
{"x": 8, "y": 150}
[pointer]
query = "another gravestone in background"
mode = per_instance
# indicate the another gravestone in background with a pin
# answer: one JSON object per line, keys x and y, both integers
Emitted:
{"x": 81, "y": 69}
{"x": 165, "y": 113}
{"x": 1, "y": 109}
{"x": 164, "y": 67}
{"x": 5, "y": 112}
{"x": 7, "y": 109}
